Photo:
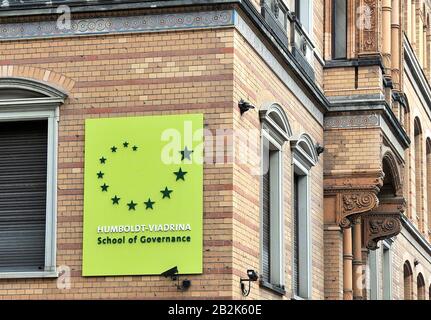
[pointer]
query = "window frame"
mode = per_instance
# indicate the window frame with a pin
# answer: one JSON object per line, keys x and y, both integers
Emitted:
{"x": 275, "y": 131}
{"x": 373, "y": 264}
{"x": 45, "y": 107}
{"x": 276, "y": 260}
{"x": 306, "y": 26}
{"x": 302, "y": 162}
{"x": 333, "y": 57}
{"x": 387, "y": 269}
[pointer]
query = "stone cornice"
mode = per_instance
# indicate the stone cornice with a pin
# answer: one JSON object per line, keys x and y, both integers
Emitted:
{"x": 417, "y": 74}
{"x": 417, "y": 236}
{"x": 312, "y": 91}
{"x": 362, "y": 105}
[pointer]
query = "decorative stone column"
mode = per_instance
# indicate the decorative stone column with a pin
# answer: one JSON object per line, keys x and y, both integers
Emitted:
{"x": 395, "y": 44}
{"x": 387, "y": 36}
{"x": 357, "y": 258}
{"x": 347, "y": 264}
{"x": 419, "y": 35}
{"x": 413, "y": 25}
{"x": 352, "y": 203}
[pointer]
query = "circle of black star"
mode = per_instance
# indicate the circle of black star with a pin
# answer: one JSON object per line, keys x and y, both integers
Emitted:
{"x": 135, "y": 148}
{"x": 104, "y": 187}
{"x": 132, "y": 205}
{"x": 115, "y": 200}
{"x": 102, "y": 160}
{"x": 180, "y": 174}
{"x": 114, "y": 149}
{"x": 100, "y": 175}
{"x": 149, "y": 204}
{"x": 185, "y": 154}
{"x": 166, "y": 193}
{"x": 125, "y": 144}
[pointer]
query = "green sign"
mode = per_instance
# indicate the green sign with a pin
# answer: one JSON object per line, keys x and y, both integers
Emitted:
{"x": 143, "y": 195}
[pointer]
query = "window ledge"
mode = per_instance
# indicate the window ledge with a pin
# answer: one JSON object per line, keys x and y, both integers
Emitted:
{"x": 272, "y": 287}
{"x": 30, "y": 274}
{"x": 295, "y": 297}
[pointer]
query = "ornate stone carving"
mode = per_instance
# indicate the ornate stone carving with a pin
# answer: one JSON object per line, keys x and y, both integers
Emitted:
{"x": 384, "y": 222}
{"x": 367, "y": 24}
{"x": 117, "y": 24}
{"x": 380, "y": 226}
{"x": 355, "y": 121}
{"x": 352, "y": 203}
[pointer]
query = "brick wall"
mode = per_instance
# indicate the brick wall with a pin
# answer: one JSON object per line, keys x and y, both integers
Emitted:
{"x": 254, "y": 82}
{"x": 132, "y": 75}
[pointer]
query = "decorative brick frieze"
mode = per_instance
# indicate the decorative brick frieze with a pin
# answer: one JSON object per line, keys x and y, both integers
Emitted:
{"x": 118, "y": 24}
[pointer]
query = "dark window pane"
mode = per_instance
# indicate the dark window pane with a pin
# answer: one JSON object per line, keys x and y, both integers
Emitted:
{"x": 339, "y": 29}
{"x": 23, "y": 176}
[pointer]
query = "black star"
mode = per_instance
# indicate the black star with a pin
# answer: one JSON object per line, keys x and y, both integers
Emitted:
{"x": 135, "y": 148}
{"x": 132, "y": 205}
{"x": 185, "y": 154}
{"x": 166, "y": 193}
{"x": 103, "y": 160}
{"x": 100, "y": 175}
{"x": 126, "y": 144}
{"x": 104, "y": 187}
{"x": 114, "y": 149}
{"x": 115, "y": 200}
{"x": 180, "y": 174}
{"x": 149, "y": 204}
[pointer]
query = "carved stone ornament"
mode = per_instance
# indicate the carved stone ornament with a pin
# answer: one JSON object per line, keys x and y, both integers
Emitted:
{"x": 380, "y": 226}
{"x": 352, "y": 203}
{"x": 367, "y": 22}
{"x": 384, "y": 222}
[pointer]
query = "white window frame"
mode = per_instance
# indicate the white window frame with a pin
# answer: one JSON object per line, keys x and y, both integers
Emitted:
{"x": 41, "y": 108}
{"x": 308, "y": 23}
{"x": 274, "y": 133}
{"x": 302, "y": 162}
{"x": 373, "y": 263}
{"x": 387, "y": 269}
{"x": 276, "y": 209}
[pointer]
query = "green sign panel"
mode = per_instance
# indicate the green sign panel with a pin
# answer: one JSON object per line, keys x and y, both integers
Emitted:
{"x": 143, "y": 195}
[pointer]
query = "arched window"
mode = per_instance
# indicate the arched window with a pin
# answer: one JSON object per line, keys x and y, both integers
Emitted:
{"x": 304, "y": 158}
{"x": 28, "y": 140}
{"x": 421, "y": 286}
{"x": 275, "y": 132}
{"x": 419, "y": 172}
{"x": 408, "y": 281}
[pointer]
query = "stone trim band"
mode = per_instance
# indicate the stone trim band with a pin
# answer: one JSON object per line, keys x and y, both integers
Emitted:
{"x": 112, "y": 25}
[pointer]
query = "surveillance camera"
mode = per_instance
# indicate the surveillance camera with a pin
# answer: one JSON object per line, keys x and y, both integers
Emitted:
{"x": 252, "y": 275}
{"x": 170, "y": 273}
{"x": 186, "y": 284}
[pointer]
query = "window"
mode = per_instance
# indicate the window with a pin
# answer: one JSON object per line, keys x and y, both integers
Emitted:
{"x": 28, "y": 138}
{"x": 374, "y": 275}
{"x": 421, "y": 286}
{"x": 428, "y": 180}
{"x": 275, "y": 132}
{"x": 418, "y": 173}
{"x": 408, "y": 281}
{"x": 304, "y": 158}
{"x": 304, "y": 13}
{"x": 387, "y": 271}
{"x": 339, "y": 29}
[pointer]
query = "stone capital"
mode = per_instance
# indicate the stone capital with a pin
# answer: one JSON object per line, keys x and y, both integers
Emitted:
{"x": 383, "y": 223}
{"x": 352, "y": 203}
